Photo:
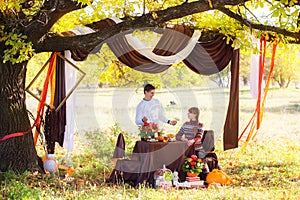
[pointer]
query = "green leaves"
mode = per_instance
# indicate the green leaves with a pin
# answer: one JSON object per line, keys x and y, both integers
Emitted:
{"x": 10, "y": 5}
{"x": 17, "y": 49}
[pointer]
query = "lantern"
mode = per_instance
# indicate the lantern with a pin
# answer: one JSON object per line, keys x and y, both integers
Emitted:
{"x": 163, "y": 178}
{"x": 50, "y": 164}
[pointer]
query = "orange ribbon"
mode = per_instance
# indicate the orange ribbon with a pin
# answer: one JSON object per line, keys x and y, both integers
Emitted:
{"x": 43, "y": 97}
{"x": 37, "y": 122}
{"x": 260, "y": 105}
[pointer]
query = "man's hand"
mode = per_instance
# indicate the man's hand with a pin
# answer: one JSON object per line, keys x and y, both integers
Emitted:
{"x": 145, "y": 119}
{"x": 173, "y": 122}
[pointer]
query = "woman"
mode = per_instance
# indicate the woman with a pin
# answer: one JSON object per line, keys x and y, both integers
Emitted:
{"x": 192, "y": 131}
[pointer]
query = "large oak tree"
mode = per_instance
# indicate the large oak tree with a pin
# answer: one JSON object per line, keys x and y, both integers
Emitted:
{"x": 25, "y": 25}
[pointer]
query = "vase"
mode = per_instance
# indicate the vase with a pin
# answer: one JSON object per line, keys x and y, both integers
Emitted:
{"x": 190, "y": 174}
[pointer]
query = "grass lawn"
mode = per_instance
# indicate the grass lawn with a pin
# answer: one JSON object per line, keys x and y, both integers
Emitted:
{"x": 269, "y": 167}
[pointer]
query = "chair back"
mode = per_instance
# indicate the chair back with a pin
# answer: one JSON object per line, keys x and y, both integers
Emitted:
{"x": 120, "y": 147}
{"x": 208, "y": 141}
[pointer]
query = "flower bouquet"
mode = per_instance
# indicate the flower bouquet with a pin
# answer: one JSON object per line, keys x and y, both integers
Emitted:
{"x": 192, "y": 166}
{"x": 148, "y": 130}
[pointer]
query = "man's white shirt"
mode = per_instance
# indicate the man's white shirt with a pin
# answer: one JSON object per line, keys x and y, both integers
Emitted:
{"x": 152, "y": 109}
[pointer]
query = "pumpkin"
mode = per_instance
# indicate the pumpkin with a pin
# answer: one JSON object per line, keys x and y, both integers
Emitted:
{"x": 218, "y": 176}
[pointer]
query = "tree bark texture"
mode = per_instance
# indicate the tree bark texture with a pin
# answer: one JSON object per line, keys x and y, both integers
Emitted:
{"x": 18, "y": 153}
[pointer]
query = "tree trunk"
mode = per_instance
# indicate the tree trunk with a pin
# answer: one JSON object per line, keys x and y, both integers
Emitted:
{"x": 288, "y": 83}
{"x": 17, "y": 153}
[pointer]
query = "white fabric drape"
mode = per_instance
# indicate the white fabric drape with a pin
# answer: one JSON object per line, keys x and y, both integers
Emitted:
{"x": 70, "y": 104}
{"x": 82, "y": 30}
{"x": 254, "y": 71}
{"x": 164, "y": 60}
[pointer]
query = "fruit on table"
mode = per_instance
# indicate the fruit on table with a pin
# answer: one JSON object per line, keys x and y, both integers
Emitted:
{"x": 160, "y": 138}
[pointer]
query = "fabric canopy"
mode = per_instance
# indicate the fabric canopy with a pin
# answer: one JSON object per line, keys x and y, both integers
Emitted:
{"x": 205, "y": 58}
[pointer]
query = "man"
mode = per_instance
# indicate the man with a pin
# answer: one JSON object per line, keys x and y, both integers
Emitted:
{"x": 150, "y": 110}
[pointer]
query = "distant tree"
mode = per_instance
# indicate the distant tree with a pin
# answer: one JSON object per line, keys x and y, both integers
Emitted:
{"x": 286, "y": 66}
{"x": 245, "y": 65}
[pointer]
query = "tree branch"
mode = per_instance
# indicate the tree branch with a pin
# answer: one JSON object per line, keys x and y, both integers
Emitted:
{"x": 90, "y": 41}
{"x": 250, "y": 12}
{"x": 50, "y": 12}
{"x": 259, "y": 26}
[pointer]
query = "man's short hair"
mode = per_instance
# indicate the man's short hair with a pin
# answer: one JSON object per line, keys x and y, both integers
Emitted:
{"x": 148, "y": 88}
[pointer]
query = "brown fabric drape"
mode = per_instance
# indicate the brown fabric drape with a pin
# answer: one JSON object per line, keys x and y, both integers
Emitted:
{"x": 231, "y": 127}
{"x": 206, "y": 58}
{"x": 77, "y": 55}
{"x": 55, "y": 122}
{"x": 172, "y": 41}
{"x": 211, "y": 57}
{"x": 60, "y": 94}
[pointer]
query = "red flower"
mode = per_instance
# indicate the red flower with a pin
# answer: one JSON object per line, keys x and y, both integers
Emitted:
{"x": 192, "y": 164}
{"x": 194, "y": 157}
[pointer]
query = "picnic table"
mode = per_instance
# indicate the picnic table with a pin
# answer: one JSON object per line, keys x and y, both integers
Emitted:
{"x": 147, "y": 157}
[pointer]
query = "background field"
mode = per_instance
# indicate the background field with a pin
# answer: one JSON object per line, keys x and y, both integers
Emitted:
{"x": 269, "y": 168}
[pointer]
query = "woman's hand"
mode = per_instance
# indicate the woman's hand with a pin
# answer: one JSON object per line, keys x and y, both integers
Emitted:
{"x": 190, "y": 142}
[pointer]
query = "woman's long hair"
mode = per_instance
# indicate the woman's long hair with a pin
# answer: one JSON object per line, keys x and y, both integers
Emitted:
{"x": 195, "y": 111}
